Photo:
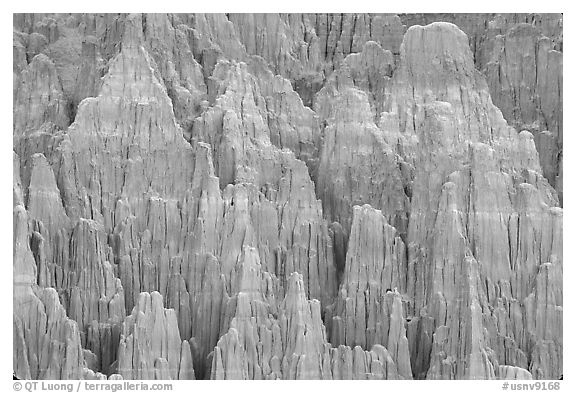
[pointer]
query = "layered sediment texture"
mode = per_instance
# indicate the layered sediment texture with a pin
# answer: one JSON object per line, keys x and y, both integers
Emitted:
{"x": 287, "y": 196}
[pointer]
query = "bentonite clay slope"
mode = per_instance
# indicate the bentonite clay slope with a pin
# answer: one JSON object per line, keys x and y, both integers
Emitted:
{"x": 287, "y": 196}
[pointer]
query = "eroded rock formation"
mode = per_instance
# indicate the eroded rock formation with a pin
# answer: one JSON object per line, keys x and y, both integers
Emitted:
{"x": 287, "y": 196}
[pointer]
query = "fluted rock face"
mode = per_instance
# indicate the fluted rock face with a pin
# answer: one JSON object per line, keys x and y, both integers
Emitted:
{"x": 482, "y": 27}
{"x": 71, "y": 258}
{"x": 521, "y": 57}
{"x": 39, "y": 97}
{"x": 369, "y": 71}
{"x": 529, "y": 78}
{"x": 458, "y": 347}
{"x": 368, "y": 309}
{"x": 131, "y": 104}
{"x": 150, "y": 345}
{"x": 511, "y": 372}
{"x": 267, "y": 110}
{"x": 46, "y": 342}
{"x": 179, "y": 69}
{"x": 341, "y": 34}
{"x": 287, "y": 196}
{"x": 357, "y": 165}
{"x": 306, "y": 48}
{"x": 288, "y": 43}
{"x": 292, "y": 125}
{"x": 288, "y": 342}
{"x": 477, "y": 152}
{"x": 284, "y": 214}
{"x": 524, "y": 75}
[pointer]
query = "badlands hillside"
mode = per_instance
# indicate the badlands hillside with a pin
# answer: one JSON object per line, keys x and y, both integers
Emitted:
{"x": 287, "y": 196}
